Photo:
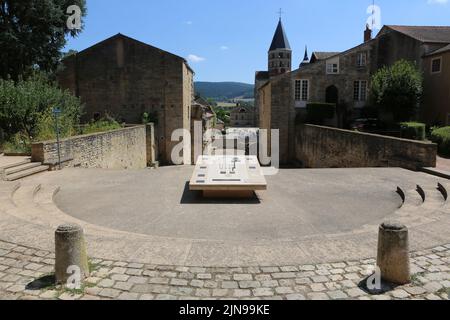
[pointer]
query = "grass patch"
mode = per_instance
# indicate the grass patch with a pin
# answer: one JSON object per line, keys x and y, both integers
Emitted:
{"x": 415, "y": 279}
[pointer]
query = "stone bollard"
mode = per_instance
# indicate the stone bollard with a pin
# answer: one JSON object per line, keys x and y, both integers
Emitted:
{"x": 70, "y": 252}
{"x": 393, "y": 253}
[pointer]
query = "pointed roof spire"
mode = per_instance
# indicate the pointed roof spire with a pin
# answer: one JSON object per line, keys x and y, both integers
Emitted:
{"x": 280, "y": 40}
{"x": 306, "y": 58}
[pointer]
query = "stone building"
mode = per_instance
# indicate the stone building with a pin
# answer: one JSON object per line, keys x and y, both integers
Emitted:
{"x": 343, "y": 78}
{"x": 242, "y": 117}
{"x": 125, "y": 78}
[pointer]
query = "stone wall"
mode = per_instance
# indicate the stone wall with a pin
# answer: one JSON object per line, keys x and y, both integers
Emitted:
{"x": 125, "y": 78}
{"x": 325, "y": 147}
{"x": 119, "y": 149}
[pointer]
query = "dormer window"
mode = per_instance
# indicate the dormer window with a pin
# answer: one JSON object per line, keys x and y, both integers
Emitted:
{"x": 361, "y": 59}
{"x": 333, "y": 66}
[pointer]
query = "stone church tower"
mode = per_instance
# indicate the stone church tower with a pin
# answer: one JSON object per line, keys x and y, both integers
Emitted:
{"x": 280, "y": 53}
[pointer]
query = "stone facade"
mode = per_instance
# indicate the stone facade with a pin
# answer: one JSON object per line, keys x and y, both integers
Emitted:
{"x": 325, "y": 147}
{"x": 436, "y": 99}
{"x": 119, "y": 149}
{"x": 242, "y": 117}
{"x": 125, "y": 78}
{"x": 344, "y": 79}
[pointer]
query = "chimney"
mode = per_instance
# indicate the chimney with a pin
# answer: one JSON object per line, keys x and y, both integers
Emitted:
{"x": 367, "y": 34}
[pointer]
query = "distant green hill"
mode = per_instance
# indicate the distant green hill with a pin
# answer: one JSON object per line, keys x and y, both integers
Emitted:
{"x": 224, "y": 90}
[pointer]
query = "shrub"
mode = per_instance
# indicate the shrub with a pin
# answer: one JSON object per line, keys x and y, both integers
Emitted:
{"x": 317, "y": 113}
{"x": 413, "y": 130}
{"x": 19, "y": 143}
{"x": 103, "y": 125}
{"x": 441, "y": 136}
{"x": 398, "y": 89}
{"x": 26, "y": 108}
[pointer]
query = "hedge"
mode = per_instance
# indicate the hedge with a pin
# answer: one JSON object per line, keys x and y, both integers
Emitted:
{"x": 413, "y": 130}
{"x": 441, "y": 136}
{"x": 317, "y": 113}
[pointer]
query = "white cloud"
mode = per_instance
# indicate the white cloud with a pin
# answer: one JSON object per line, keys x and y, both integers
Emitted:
{"x": 438, "y": 1}
{"x": 224, "y": 48}
{"x": 195, "y": 59}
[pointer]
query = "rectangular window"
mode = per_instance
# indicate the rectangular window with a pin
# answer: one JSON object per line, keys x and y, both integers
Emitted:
{"x": 332, "y": 68}
{"x": 436, "y": 65}
{"x": 360, "y": 90}
{"x": 361, "y": 59}
{"x": 301, "y": 90}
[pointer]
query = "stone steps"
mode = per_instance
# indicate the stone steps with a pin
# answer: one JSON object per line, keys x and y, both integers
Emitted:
{"x": 22, "y": 169}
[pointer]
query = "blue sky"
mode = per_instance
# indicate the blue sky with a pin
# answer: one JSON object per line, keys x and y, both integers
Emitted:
{"x": 227, "y": 40}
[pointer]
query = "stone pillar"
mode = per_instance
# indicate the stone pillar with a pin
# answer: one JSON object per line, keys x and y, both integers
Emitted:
{"x": 70, "y": 251}
{"x": 393, "y": 253}
{"x": 151, "y": 144}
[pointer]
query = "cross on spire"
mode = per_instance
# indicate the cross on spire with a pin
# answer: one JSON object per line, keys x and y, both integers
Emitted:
{"x": 280, "y": 13}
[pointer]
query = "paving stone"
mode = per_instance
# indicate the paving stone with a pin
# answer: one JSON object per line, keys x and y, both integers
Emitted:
{"x": 230, "y": 285}
{"x": 89, "y": 297}
{"x": 209, "y": 284}
{"x": 106, "y": 283}
{"x": 147, "y": 297}
{"x": 220, "y": 292}
{"x": 270, "y": 269}
{"x": 181, "y": 291}
{"x": 433, "y": 287}
{"x": 120, "y": 277}
{"x": 307, "y": 268}
{"x": 249, "y": 284}
{"x": 137, "y": 280}
{"x": 317, "y": 296}
{"x": 243, "y": 277}
{"x": 283, "y": 275}
{"x": 284, "y": 290}
{"x": 337, "y": 295}
{"x": 134, "y": 272}
{"x": 239, "y": 293}
{"x": 263, "y": 292}
{"x": 186, "y": 275}
{"x": 337, "y": 271}
{"x": 295, "y": 297}
{"x": 50, "y": 294}
{"x": 109, "y": 293}
{"x": 355, "y": 292}
{"x": 432, "y": 297}
{"x": 352, "y": 276}
{"x": 120, "y": 264}
{"x": 204, "y": 276}
{"x": 289, "y": 269}
{"x": 16, "y": 288}
{"x": 135, "y": 265}
{"x": 197, "y": 283}
{"x": 269, "y": 284}
{"x": 317, "y": 287}
{"x": 69, "y": 296}
{"x": 179, "y": 282}
{"x": 303, "y": 281}
{"x": 128, "y": 296}
{"x": 159, "y": 280}
{"x": 203, "y": 293}
{"x": 227, "y": 277}
{"x": 400, "y": 294}
{"x": 197, "y": 270}
{"x": 125, "y": 286}
{"x": 320, "y": 279}
{"x": 92, "y": 280}
{"x": 415, "y": 291}
{"x": 93, "y": 291}
{"x": 119, "y": 270}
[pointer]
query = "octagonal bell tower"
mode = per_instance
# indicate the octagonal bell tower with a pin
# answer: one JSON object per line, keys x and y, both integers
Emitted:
{"x": 280, "y": 53}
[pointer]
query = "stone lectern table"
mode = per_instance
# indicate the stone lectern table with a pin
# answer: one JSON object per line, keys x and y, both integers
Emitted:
{"x": 228, "y": 176}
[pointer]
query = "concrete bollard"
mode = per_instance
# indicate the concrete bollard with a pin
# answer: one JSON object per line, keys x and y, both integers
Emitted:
{"x": 70, "y": 252}
{"x": 393, "y": 253}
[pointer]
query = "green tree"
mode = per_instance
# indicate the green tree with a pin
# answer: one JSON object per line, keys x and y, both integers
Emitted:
{"x": 398, "y": 89}
{"x": 32, "y": 34}
{"x": 26, "y": 108}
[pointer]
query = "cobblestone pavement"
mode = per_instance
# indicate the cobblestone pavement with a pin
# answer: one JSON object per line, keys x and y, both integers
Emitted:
{"x": 25, "y": 272}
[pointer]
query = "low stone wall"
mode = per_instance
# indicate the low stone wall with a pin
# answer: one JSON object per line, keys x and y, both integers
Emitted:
{"x": 325, "y": 147}
{"x": 119, "y": 149}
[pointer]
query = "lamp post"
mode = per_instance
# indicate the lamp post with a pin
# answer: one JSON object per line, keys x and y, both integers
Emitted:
{"x": 56, "y": 113}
